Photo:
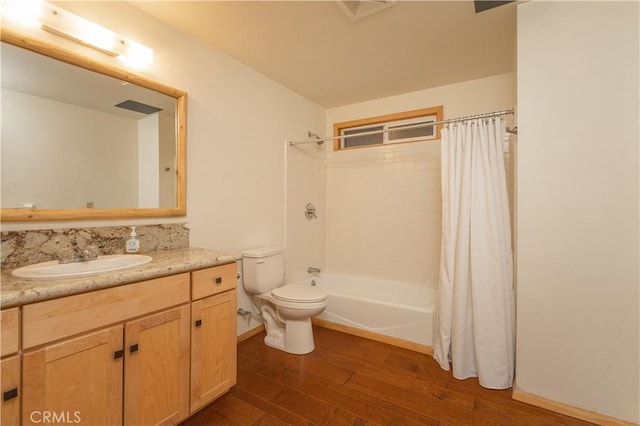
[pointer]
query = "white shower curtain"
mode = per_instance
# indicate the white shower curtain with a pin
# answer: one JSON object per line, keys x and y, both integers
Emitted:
{"x": 474, "y": 326}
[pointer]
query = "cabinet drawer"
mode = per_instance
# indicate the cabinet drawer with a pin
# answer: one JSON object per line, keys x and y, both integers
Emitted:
{"x": 55, "y": 319}
{"x": 207, "y": 282}
{"x": 9, "y": 326}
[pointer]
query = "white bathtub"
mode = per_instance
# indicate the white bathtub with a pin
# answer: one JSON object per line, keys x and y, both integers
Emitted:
{"x": 398, "y": 310}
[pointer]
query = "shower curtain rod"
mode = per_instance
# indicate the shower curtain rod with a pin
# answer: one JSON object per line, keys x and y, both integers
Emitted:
{"x": 319, "y": 141}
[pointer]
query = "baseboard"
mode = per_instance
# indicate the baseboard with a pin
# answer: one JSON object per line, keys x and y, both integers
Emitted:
{"x": 569, "y": 410}
{"x": 246, "y": 335}
{"x": 394, "y": 341}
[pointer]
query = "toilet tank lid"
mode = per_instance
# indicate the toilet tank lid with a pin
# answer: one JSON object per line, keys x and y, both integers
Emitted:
{"x": 263, "y": 251}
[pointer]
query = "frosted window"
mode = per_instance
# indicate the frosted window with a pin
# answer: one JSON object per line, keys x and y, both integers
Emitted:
{"x": 410, "y": 133}
{"x": 363, "y": 140}
{"x": 407, "y": 126}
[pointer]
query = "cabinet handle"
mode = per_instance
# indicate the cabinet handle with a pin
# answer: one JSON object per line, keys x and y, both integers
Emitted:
{"x": 218, "y": 280}
{"x": 133, "y": 348}
{"x": 198, "y": 323}
{"x": 118, "y": 354}
{"x": 10, "y": 394}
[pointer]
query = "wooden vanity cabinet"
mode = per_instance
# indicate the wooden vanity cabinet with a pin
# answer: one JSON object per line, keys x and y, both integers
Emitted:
{"x": 10, "y": 366}
{"x": 82, "y": 379}
{"x": 213, "y": 333}
{"x": 134, "y": 369}
{"x": 147, "y": 353}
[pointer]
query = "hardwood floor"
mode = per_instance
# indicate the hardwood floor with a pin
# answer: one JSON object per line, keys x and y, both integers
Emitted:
{"x": 350, "y": 380}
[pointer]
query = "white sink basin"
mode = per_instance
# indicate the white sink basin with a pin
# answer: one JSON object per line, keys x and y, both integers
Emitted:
{"x": 55, "y": 270}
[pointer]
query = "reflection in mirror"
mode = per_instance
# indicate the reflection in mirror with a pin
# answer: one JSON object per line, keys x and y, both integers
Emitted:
{"x": 79, "y": 144}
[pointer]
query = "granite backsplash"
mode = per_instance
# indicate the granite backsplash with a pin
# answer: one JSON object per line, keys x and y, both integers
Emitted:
{"x": 20, "y": 248}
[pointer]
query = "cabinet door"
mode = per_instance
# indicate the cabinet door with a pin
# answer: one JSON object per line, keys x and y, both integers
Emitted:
{"x": 157, "y": 368}
{"x": 75, "y": 381}
{"x": 10, "y": 410}
{"x": 213, "y": 347}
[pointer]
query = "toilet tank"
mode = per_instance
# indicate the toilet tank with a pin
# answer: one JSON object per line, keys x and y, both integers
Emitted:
{"x": 263, "y": 268}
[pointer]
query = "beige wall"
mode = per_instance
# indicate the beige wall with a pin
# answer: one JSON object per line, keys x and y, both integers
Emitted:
{"x": 384, "y": 203}
{"x": 578, "y": 276}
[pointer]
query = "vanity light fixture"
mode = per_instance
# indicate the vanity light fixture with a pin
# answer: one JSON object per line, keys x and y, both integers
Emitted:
{"x": 25, "y": 12}
{"x": 66, "y": 24}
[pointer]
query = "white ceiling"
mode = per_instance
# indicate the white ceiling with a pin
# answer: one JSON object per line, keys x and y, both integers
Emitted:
{"x": 313, "y": 48}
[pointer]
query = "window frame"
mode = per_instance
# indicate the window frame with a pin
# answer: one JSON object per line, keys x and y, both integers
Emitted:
{"x": 388, "y": 120}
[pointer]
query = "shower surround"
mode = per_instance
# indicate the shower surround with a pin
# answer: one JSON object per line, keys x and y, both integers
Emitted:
{"x": 384, "y": 212}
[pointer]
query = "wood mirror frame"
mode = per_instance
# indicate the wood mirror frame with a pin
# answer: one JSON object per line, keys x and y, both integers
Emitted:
{"x": 73, "y": 58}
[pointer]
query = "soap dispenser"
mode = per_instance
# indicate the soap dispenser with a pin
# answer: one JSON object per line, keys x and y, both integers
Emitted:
{"x": 133, "y": 244}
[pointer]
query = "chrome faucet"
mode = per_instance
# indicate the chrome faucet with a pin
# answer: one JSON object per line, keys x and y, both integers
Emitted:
{"x": 313, "y": 270}
{"x": 81, "y": 255}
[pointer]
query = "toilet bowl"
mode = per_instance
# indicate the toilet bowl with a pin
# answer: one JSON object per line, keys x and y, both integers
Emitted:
{"x": 286, "y": 309}
{"x": 289, "y": 325}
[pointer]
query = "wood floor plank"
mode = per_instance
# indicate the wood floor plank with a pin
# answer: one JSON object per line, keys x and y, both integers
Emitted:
{"x": 273, "y": 411}
{"x": 371, "y": 409}
{"x": 313, "y": 409}
{"x": 310, "y": 365}
{"x": 405, "y": 381}
{"x": 350, "y": 380}
{"x": 235, "y": 408}
{"x": 345, "y": 418}
{"x": 493, "y": 410}
{"x": 437, "y": 406}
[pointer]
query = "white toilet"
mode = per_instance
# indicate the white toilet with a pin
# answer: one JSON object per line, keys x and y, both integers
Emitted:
{"x": 286, "y": 309}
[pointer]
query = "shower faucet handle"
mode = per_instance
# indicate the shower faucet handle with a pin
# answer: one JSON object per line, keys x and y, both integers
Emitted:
{"x": 313, "y": 270}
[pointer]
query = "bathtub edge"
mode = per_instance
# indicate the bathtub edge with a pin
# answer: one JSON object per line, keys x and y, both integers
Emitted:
{"x": 383, "y": 338}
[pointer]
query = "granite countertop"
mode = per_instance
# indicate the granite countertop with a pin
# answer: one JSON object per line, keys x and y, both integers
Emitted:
{"x": 18, "y": 291}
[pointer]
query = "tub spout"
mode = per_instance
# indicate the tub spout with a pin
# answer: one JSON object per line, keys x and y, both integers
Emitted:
{"x": 313, "y": 270}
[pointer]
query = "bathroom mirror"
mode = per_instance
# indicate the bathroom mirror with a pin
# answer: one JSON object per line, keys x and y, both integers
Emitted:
{"x": 85, "y": 140}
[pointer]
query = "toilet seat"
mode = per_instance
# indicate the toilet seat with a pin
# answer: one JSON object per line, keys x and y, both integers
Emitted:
{"x": 297, "y": 293}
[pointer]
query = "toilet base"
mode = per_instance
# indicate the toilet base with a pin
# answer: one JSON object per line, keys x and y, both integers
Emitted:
{"x": 296, "y": 337}
{"x": 299, "y": 336}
